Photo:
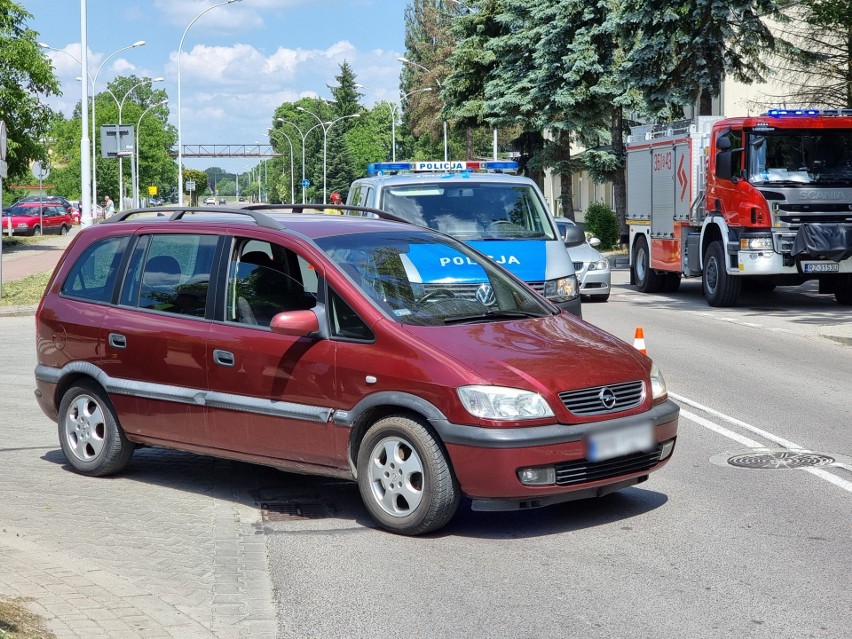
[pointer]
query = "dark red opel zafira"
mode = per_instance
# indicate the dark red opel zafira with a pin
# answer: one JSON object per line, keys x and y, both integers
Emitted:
{"x": 347, "y": 346}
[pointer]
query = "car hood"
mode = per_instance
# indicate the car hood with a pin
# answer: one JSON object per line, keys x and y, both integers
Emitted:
{"x": 584, "y": 253}
{"x": 550, "y": 354}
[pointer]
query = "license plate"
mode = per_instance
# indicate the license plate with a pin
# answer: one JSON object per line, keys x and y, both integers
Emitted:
{"x": 616, "y": 443}
{"x": 820, "y": 267}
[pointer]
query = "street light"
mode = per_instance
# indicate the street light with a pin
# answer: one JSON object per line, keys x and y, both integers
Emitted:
{"x": 180, "y": 134}
{"x": 118, "y": 140}
{"x": 420, "y": 66}
{"x": 304, "y": 137}
{"x": 138, "y": 43}
{"x": 394, "y": 109}
{"x": 325, "y": 127}
{"x": 136, "y": 148}
{"x": 269, "y": 133}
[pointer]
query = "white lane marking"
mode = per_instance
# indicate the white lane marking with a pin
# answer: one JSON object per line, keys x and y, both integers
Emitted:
{"x": 786, "y": 443}
{"x": 745, "y": 441}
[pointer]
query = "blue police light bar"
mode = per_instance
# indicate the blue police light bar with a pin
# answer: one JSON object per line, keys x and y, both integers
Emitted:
{"x": 776, "y": 113}
{"x": 380, "y": 168}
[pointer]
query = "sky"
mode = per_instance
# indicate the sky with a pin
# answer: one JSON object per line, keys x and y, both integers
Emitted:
{"x": 238, "y": 62}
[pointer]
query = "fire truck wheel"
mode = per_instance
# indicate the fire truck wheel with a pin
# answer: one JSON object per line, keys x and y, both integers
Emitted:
{"x": 843, "y": 292}
{"x": 647, "y": 280}
{"x": 720, "y": 289}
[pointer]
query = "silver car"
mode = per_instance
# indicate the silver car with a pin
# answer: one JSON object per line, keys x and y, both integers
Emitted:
{"x": 592, "y": 268}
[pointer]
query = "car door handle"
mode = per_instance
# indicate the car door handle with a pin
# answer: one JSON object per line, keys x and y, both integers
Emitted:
{"x": 116, "y": 340}
{"x": 223, "y": 358}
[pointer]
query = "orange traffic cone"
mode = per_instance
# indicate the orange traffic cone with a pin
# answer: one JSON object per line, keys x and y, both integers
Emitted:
{"x": 639, "y": 341}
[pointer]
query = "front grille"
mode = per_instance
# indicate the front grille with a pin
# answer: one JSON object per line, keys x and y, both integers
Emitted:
{"x": 463, "y": 291}
{"x": 538, "y": 287}
{"x": 583, "y": 471}
{"x": 588, "y": 400}
{"x": 578, "y": 266}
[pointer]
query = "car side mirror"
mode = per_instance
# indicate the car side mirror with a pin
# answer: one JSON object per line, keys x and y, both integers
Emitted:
{"x": 593, "y": 241}
{"x": 574, "y": 236}
{"x": 295, "y": 323}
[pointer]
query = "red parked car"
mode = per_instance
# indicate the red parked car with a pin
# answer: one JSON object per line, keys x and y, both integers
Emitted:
{"x": 368, "y": 349}
{"x": 70, "y": 208}
{"x": 23, "y": 218}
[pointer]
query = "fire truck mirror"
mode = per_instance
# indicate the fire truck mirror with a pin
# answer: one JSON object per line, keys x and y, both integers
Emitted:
{"x": 723, "y": 143}
{"x": 723, "y": 165}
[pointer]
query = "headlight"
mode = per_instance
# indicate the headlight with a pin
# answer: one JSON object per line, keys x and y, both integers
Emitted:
{"x": 561, "y": 290}
{"x": 658, "y": 384}
{"x": 497, "y": 402}
{"x": 759, "y": 243}
{"x": 600, "y": 265}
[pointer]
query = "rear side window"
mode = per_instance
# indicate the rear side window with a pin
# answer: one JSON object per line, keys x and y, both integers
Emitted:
{"x": 171, "y": 274}
{"x": 93, "y": 275}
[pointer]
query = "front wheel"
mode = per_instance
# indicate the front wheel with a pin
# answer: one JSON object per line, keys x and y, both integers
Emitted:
{"x": 64, "y": 230}
{"x": 89, "y": 433}
{"x": 720, "y": 289}
{"x": 647, "y": 279}
{"x": 36, "y": 231}
{"x": 404, "y": 477}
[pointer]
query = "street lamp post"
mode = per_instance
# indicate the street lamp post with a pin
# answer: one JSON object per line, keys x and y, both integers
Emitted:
{"x": 118, "y": 141}
{"x": 395, "y": 110}
{"x": 138, "y": 43}
{"x": 136, "y": 148}
{"x": 325, "y": 127}
{"x": 180, "y": 135}
{"x": 269, "y": 132}
{"x": 427, "y": 70}
{"x": 304, "y": 136}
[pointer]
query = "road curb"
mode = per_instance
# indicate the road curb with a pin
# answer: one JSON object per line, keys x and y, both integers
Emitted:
{"x": 18, "y": 311}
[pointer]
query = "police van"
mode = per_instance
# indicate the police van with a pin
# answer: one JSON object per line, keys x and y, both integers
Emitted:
{"x": 501, "y": 215}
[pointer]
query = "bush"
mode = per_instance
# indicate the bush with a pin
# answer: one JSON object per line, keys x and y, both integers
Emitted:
{"x": 602, "y": 224}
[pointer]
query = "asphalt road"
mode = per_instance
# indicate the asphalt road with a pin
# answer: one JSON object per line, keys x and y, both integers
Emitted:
{"x": 703, "y": 549}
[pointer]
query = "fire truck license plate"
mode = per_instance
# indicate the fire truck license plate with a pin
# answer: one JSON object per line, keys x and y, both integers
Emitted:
{"x": 616, "y": 443}
{"x": 820, "y": 267}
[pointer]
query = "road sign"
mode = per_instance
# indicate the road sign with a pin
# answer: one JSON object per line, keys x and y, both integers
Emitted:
{"x": 190, "y": 185}
{"x": 306, "y": 183}
{"x": 110, "y": 133}
{"x": 2, "y": 141}
{"x": 40, "y": 170}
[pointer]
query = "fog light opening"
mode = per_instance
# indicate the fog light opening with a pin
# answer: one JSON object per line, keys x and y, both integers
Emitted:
{"x": 666, "y": 449}
{"x": 538, "y": 476}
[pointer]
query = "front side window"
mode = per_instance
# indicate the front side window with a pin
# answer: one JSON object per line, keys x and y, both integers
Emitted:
{"x": 475, "y": 211}
{"x": 427, "y": 279}
{"x": 93, "y": 275}
{"x": 265, "y": 279}
{"x": 171, "y": 273}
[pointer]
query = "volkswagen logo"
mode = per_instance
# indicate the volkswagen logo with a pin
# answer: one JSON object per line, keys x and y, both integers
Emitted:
{"x": 485, "y": 294}
{"x": 607, "y": 398}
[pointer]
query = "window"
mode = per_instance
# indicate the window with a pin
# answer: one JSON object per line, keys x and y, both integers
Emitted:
{"x": 93, "y": 275}
{"x": 176, "y": 274}
{"x": 345, "y": 323}
{"x": 266, "y": 279}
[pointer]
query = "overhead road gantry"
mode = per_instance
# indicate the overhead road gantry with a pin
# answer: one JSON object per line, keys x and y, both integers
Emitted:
{"x": 226, "y": 151}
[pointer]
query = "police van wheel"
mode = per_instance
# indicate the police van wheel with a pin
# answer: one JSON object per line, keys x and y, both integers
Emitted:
{"x": 647, "y": 280}
{"x": 720, "y": 289}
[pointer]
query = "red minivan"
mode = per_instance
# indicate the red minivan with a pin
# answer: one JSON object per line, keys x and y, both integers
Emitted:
{"x": 369, "y": 349}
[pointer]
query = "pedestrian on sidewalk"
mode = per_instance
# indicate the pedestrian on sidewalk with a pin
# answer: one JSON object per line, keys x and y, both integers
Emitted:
{"x": 109, "y": 207}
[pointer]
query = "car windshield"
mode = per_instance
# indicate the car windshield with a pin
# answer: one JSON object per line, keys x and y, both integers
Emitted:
{"x": 785, "y": 157}
{"x": 472, "y": 211}
{"x": 425, "y": 279}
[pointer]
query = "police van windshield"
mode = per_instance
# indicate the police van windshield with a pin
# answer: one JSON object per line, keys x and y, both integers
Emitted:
{"x": 472, "y": 211}
{"x": 426, "y": 279}
{"x": 785, "y": 157}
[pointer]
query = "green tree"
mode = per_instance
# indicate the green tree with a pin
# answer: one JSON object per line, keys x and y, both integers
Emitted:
{"x": 201, "y": 185}
{"x": 346, "y": 97}
{"x": 26, "y": 77}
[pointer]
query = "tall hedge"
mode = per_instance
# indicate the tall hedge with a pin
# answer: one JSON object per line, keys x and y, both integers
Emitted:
{"x": 602, "y": 224}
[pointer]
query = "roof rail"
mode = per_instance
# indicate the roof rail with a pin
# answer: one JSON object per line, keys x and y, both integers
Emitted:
{"x": 347, "y": 209}
{"x": 178, "y": 212}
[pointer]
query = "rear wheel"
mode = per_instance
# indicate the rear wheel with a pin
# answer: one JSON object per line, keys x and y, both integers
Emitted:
{"x": 404, "y": 477}
{"x": 64, "y": 230}
{"x": 720, "y": 289}
{"x": 91, "y": 437}
{"x": 647, "y": 280}
{"x": 36, "y": 231}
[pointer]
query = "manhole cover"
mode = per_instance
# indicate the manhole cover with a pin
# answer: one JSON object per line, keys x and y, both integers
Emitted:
{"x": 780, "y": 459}
{"x": 287, "y": 511}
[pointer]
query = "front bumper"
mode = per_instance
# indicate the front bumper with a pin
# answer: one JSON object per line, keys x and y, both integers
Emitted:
{"x": 595, "y": 282}
{"x": 486, "y": 460}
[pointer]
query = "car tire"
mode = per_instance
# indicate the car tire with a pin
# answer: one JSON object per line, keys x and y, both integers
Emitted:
{"x": 91, "y": 438}
{"x": 720, "y": 289}
{"x": 36, "y": 231}
{"x": 647, "y": 279}
{"x": 64, "y": 230}
{"x": 405, "y": 479}
{"x": 597, "y": 298}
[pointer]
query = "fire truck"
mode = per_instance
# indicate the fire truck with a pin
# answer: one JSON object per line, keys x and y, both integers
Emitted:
{"x": 746, "y": 203}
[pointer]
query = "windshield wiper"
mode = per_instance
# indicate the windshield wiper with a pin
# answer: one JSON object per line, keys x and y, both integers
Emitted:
{"x": 491, "y": 315}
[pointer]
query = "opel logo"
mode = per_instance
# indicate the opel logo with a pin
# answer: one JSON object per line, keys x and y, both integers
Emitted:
{"x": 607, "y": 398}
{"x": 485, "y": 295}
